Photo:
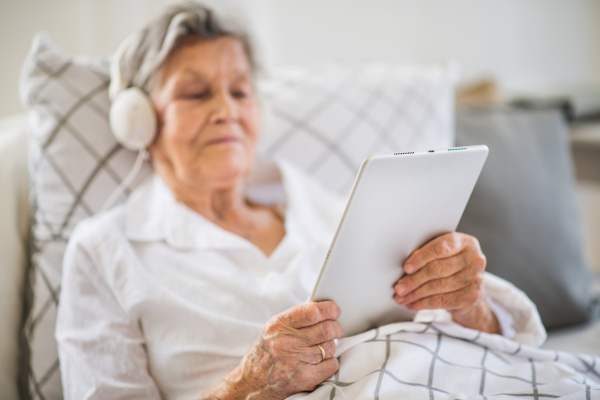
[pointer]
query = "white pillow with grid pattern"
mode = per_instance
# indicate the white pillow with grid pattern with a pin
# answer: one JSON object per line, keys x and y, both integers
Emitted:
{"x": 323, "y": 118}
{"x": 327, "y": 118}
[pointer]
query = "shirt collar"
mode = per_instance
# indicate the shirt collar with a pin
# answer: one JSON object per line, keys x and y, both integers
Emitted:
{"x": 153, "y": 214}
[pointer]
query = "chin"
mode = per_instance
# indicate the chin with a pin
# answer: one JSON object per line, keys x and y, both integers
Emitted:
{"x": 225, "y": 168}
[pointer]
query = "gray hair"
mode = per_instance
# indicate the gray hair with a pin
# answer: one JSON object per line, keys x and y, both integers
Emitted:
{"x": 139, "y": 59}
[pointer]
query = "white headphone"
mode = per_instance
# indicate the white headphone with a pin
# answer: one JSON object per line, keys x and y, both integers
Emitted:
{"x": 132, "y": 117}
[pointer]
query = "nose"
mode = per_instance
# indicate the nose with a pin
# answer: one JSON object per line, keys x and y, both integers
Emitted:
{"x": 224, "y": 108}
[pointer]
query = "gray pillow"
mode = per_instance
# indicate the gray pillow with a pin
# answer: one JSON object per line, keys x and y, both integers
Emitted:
{"x": 523, "y": 209}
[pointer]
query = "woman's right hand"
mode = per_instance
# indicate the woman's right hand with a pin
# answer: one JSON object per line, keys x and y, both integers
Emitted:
{"x": 285, "y": 358}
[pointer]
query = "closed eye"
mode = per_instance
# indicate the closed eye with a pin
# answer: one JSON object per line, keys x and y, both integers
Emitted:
{"x": 239, "y": 94}
{"x": 198, "y": 95}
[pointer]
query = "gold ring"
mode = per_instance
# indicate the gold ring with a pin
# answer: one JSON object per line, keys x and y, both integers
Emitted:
{"x": 322, "y": 352}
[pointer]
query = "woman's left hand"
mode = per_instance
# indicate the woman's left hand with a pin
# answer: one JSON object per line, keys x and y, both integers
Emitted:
{"x": 448, "y": 273}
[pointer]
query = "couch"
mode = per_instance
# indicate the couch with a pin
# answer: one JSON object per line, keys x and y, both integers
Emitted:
{"x": 13, "y": 266}
{"x": 15, "y": 243}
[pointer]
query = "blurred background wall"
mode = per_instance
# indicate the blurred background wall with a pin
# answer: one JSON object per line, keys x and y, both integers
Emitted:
{"x": 523, "y": 44}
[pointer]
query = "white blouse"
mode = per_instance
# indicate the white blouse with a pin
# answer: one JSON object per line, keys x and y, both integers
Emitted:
{"x": 159, "y": 302}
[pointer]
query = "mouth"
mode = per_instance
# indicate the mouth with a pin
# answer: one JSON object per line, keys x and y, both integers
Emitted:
{"x": 222, "y": 139}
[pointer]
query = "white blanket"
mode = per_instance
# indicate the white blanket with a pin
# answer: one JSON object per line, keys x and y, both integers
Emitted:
{"x": 443, "y": 360}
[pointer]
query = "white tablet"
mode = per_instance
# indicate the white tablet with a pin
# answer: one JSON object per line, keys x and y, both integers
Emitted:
{"x": 398, "y": 203}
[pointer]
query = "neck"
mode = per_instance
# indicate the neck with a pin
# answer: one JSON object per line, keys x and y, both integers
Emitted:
{"x": 224, "y": 205}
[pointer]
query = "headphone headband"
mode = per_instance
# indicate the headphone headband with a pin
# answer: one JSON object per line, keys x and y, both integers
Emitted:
{"x": 132, "y": 116}
{"x": 153, "y": 59}
{"x": 117, "y": 83}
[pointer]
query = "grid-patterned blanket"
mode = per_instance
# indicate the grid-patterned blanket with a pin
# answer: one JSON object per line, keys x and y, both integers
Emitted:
{"x": 446, "y": 361}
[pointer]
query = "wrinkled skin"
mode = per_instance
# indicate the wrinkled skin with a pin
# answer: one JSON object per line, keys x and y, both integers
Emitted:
{"x": 445, "y": 273}
{"x": 285, "y": 358}
{"x": 448, "y": 273}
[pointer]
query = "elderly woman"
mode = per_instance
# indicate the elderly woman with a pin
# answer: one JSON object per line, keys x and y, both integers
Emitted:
{"x": 195, "y": 287}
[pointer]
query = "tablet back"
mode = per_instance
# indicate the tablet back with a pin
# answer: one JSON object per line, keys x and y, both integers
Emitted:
{"x": 398, "y": 203}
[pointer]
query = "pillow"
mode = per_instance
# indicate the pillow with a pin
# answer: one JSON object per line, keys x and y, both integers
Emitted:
{"x": 523, "y": 209}
{"x": 324, "y": 118}
{"x": 327, "y": 118}
{"x": 74, "y": 164}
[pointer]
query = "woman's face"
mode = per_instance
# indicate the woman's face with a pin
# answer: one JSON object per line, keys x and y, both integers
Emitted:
{"x": 208, "y": 116}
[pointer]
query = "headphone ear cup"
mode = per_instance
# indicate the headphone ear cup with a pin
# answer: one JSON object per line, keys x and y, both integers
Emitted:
{"x": 132, "y": 119}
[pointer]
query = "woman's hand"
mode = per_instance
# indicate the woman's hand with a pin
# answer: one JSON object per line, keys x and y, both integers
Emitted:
{"x": 448, "y": 273}
{"x": 285, "y": 358}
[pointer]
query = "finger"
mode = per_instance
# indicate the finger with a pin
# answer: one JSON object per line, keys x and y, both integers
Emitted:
{"x": 316, "y": 356}
{"x": 311, "y": 313}
{"x": 314, "y": 374}
{"x": 439, "y": 269}
{"x": 322, "y": 332}
{"x": 459, "y": 300}
{"x": 443, "y": 246}
{"x": 455, "y": 282}
{"x": 327, "y": 368}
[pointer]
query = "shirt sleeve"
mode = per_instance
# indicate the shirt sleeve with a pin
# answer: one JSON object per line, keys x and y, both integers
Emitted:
{"x": 526, "y": 323}
{"x": 505, "y": 319}
{"x": 101, "y": 349}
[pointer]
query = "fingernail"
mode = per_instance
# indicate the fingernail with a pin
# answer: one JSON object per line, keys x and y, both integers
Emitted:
{"x": 408, "y": 267}
{"x": 400, "y": 288}
{"x": 400, "y": 300}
